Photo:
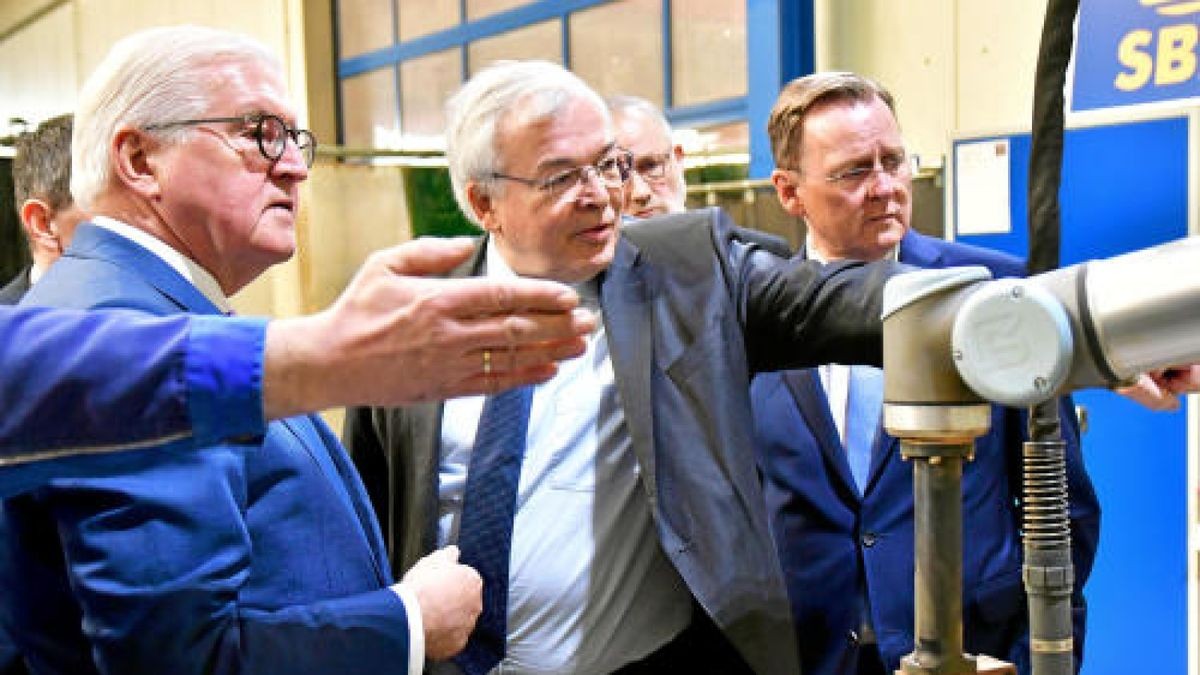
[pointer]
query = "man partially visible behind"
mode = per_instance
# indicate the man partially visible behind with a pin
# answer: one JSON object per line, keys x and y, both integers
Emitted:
{"x": 42, "y": 192}
{"x": 656, "y": 185}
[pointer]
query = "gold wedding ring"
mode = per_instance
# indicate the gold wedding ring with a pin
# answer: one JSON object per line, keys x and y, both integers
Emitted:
{"x": 487, "y": 362}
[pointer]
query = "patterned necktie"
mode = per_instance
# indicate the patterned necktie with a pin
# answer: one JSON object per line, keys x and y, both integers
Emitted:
{"x": 489, "y": 503}
{"x": 864, "y": 401}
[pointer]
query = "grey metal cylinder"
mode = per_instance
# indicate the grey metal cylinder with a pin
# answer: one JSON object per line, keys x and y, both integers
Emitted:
{"x": 1129, "y": 314}
{"x": 937, "y": 488}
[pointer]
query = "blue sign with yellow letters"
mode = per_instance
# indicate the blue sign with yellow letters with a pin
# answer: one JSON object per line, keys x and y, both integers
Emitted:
{"x": 1132, "y": 52}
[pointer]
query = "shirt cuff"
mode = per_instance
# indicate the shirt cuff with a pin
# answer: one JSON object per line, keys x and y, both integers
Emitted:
{"x": 223, "y": 372}
{"x": 416, "y": 628}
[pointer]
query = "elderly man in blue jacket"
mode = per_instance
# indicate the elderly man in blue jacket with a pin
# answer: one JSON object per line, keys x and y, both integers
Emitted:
{"x": 260, "y": 555}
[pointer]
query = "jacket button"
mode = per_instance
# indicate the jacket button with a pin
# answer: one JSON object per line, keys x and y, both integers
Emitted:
{"x": 852, "y": 637}
{"x": 869, "y": 539}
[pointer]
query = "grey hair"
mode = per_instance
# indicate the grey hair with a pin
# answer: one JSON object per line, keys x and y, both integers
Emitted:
{"x": 535, "y": 89}
{"x": 149, "y": 77}
{"x": 623, "y": 104}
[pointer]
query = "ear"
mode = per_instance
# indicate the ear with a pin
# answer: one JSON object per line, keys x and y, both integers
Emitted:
{"x": 38, "y": 219}
{"x": 678, "y": 152}
{"x": 788, "y": 190}
{"x": 133, "y": 154}
{"x": 483, "y": 206}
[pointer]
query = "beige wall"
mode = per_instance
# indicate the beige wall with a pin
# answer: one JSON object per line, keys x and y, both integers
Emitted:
{"x": 38, "y": 75}
{"x": 48, "y": 48}
{"x": 955, "y": 66}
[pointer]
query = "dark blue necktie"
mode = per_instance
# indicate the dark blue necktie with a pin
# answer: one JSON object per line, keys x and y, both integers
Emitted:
{"x": 485, "y": 534}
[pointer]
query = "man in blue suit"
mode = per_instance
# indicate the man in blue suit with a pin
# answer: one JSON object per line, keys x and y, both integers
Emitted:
{"x": 260, "y": 556}
{"x": 838, "y": 493}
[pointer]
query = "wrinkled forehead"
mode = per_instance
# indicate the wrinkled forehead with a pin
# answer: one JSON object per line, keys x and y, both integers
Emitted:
{"x": 239, "y": 86}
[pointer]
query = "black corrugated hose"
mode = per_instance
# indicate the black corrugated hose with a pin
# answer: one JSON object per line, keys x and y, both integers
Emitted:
{"x": 1048, "y": 571}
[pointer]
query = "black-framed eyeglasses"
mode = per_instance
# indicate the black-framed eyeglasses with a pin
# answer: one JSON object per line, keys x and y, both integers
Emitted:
{"x": 652, "y": 166}
{"x": 893, "y": 164}
{"x": 612, "y": 169}
{"x": 270, "y": 132}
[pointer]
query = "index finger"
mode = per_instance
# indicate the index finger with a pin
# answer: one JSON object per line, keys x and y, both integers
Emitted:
{"x": 478, "y": 296}
{"x": 427, "y": 255}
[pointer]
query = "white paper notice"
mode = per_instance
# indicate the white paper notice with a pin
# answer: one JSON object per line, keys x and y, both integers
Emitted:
{"x": 981, "y": 206}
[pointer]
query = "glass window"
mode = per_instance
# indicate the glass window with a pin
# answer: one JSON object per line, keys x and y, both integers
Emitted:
{"x": 422, "y": 17}
{"x": 617, "y": 48}
{"x": 369, "y": 116}
{"x": 719, "y": 145}
{"x": 537, "y": 41}
{"x": 708, "y": 50}
{"x": 363, "y": 26}
{"x": 480, "y": 8}
{"x": 425, "y": 84}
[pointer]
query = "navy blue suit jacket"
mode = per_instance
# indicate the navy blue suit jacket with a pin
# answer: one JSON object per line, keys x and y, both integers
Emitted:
{"x": 253, "y": 557}
{"x": 831, "y": 540}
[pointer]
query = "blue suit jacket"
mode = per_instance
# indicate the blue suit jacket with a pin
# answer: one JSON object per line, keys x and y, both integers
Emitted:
{"x": 258, "y": 557}
{"x": 831, "y": 540}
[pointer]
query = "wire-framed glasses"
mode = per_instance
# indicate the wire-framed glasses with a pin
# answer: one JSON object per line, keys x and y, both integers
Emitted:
{"x": 653, "y": 165}
{"x": 612, "y": 170}
{"x": 894, "y": 164}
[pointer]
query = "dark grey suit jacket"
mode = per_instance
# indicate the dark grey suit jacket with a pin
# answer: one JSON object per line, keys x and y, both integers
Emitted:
{"x": 691, "y": 311}
{"x": 16, "y": 289}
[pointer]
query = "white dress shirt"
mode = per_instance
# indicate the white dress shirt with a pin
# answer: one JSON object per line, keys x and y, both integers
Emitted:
{"x": 590, "y": 588}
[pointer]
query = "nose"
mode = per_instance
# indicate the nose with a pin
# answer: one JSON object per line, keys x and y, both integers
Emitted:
{"x": 592, "y": 188}
{"x": 291, "y": 164}
{"x": 639, "y": 189}
{"x": 883, "y": 183}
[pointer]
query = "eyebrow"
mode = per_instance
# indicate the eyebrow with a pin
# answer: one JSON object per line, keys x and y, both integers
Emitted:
{"x": 254, "y": 112}
{"x": 571, "y": 162}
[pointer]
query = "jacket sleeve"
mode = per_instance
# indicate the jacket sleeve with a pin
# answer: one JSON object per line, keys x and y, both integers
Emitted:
{"x": 71, "y": 399}
{"x": 160, "y": 560}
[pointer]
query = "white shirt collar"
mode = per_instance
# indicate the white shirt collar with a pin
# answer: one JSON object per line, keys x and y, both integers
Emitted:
{"x": 186, "y": 267}
{"x": 495, "y": 266}
{"x": 813, "y": 254}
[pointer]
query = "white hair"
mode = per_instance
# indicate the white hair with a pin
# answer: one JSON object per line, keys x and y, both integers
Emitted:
{"x": 535, "y": 89}
{"x": 152, "y": 76}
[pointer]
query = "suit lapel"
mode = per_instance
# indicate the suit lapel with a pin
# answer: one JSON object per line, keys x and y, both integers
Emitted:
{"x": 625, "y": 300}
{"x": 91, "y": 241}
{"x": 813, "y": 404}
